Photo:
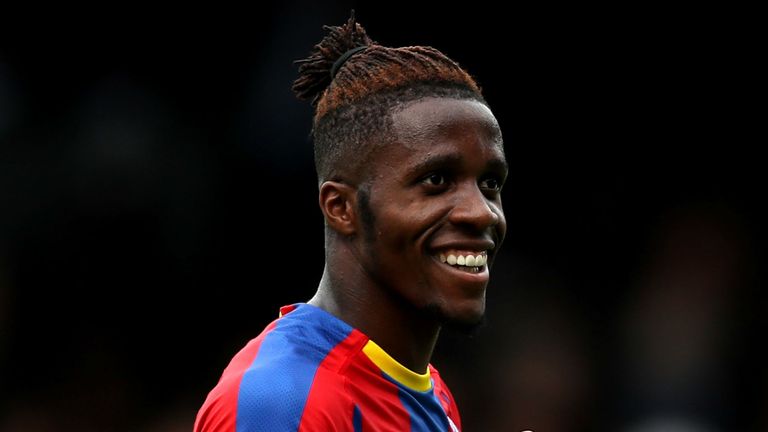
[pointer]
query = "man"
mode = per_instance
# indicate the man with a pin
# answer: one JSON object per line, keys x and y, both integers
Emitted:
{"x": 410, "y": 166}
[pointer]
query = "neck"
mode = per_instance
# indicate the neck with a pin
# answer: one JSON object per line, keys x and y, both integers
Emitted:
{"x": 406, "y": 333}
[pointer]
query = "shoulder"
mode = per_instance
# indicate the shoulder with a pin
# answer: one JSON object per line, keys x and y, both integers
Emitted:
{"x": 287, "y": 380}
{"x": 282, "y": 398}
{"x": 280, "y": 395}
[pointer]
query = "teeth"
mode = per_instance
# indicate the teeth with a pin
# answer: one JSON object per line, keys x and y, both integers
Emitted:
{"x": 474, "y": 261}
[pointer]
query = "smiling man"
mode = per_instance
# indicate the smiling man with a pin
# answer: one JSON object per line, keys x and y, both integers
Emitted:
{"x": 410, "y": 166}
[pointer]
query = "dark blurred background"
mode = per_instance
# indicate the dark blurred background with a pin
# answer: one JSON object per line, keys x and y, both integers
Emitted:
{"x": 158, "y": 204}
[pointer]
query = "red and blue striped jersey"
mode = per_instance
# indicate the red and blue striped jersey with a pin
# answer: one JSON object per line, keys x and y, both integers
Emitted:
{"x": 309, "y": 371}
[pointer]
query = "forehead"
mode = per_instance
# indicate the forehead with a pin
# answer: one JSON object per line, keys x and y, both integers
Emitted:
{"x": 433, "y": 119}
{"x": 436, "y": 129}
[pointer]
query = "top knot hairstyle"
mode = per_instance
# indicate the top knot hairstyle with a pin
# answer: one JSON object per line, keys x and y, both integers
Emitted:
{"x": 355, "y": 85}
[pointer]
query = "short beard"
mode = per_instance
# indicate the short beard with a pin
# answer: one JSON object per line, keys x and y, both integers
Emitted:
{"x": 367, "y": 218}
{"x": 452, "y": 325}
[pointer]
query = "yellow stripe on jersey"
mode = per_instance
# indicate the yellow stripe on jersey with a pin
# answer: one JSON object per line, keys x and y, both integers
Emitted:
{"x": 403, "y": 375}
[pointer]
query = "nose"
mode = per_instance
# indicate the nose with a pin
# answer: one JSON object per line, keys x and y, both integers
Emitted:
{"x": 474, "y": 209}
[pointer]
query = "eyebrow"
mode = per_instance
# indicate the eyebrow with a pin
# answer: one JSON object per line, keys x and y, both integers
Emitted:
{"x": 497, "y": 164}
{"x": 453, "y": 160}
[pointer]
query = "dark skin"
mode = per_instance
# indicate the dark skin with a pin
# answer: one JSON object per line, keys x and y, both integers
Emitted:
{"x": 432, "y": 193}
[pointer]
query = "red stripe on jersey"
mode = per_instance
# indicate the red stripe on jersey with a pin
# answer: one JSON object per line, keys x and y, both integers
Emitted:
{"x": 328, "y": 407}
{"x": 285, "y": 310}
{"x": 379, "y": 404}
{"x": 219, "y": 411}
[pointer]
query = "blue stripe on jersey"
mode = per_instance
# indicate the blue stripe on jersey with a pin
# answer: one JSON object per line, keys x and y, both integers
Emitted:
{"x": 357, "y": 420}
{"x": 274, "y": 389}
{"x": 427, "y": 415}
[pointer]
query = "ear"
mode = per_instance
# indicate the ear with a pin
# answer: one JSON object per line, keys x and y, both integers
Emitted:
{"x": 338, "y": 204}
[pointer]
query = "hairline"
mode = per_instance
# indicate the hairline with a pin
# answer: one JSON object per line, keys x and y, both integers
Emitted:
{"x": 378, "y": 141}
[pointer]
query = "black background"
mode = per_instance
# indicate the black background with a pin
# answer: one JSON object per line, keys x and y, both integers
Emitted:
{"x": 158, "y": 199}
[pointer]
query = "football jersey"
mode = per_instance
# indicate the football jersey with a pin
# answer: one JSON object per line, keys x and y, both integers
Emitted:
{"x": 310, "y": 371}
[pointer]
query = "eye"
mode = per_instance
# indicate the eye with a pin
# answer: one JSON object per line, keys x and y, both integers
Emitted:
{"x": 490, "y": 183}
{"x": 435, "y": 179}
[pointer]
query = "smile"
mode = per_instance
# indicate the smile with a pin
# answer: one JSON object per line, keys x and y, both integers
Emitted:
{"x": 471, "y": 262}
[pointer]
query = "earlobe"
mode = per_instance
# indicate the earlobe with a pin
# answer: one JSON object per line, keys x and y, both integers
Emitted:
{"x": 337, "y": 202}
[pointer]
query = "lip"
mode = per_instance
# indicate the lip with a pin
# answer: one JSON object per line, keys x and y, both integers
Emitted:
{"x": 467, "y": 245}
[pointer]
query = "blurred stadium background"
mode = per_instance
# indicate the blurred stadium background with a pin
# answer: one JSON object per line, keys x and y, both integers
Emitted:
{"x": 156, "y": 174}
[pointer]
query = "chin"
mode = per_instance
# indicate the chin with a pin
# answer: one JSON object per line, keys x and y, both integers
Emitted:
{"x": 464, "y": 316}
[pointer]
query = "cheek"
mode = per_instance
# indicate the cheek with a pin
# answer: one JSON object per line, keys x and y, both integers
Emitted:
{"x": 406, "y": 226}
{"x": 395, "y": 230}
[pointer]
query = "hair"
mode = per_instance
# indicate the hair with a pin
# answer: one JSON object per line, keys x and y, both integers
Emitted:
{"x": 355, "y": 96}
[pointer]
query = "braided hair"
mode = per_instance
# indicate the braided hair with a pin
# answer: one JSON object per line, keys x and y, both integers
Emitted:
{"x": 355, "y": 97}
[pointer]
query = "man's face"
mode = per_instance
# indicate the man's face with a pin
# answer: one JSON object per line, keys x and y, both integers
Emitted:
{"x": 432, "y": 210}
